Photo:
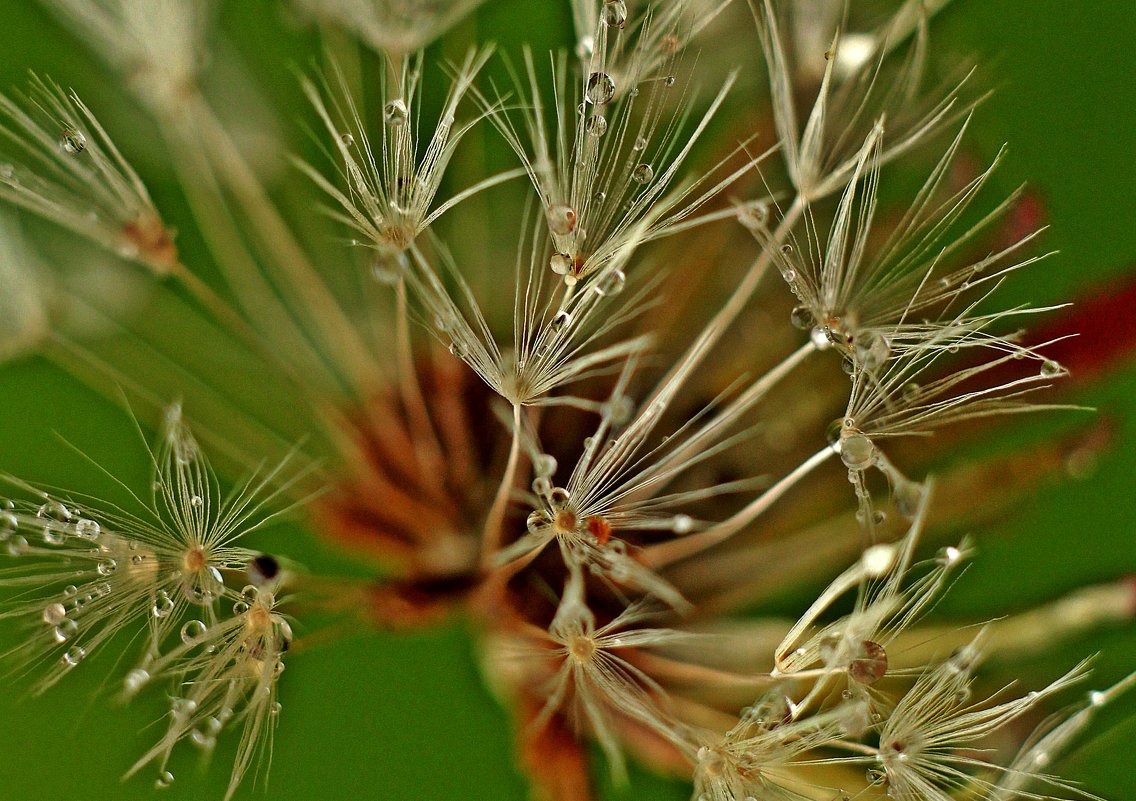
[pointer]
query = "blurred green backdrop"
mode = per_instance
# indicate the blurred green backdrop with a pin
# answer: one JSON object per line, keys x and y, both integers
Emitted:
{"x": 378, "y": 716}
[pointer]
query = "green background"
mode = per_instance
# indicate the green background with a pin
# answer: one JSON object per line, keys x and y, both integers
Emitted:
{"x": 381, "y": 716}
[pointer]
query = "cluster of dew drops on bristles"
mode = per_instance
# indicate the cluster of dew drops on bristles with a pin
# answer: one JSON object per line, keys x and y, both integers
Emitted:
{"x": 600, "y": 540}
{"x": 199, "y": 610}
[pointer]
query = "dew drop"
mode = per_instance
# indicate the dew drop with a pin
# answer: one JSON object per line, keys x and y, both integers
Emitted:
{"x": 561, "y": 219}
{"x": 8, "y": 523}
{"x": 182, "y": 707}
{"x": 347, "y": 139}
{"x": 585, "y": 47}
{"x": 395, "y": 113}
{"x": 165, "y": 780}
{"x": 611, "y": 283}
{"x": 64, "y": 630}
{"x": 873, "y": 352}
{"x": 87, "y": 529}
{"x": 135, "y": 680}
{"x": 870, "y": 664}
{"x": 562, "y": 320}
{"x": 682, "y": 524}
{"x": 239, "y": 608}
{"x": 196, "y": 501}
{"x": 163, "y": 605}
{"x": 1050, "y": 369}
{"x": 542, "y": 485}
{"x": 537, "y": 521}
{"x": 876, "y": 776}
{"x": 951, "y": 555}
{"x": 643, "y": 174}
{"x": 753, "y": 215}
{"x": 107, "y": 566}
{"x": 640, "y": 144}
{"x": 596, "y": 125}
{"x": 73, "y": 656}
{"x": 544, "y": 464}
{"x": 614, "y": 13}
{"x": 801, "y": 318}
{"x": 560, "y": 264}
{"x": 192, "y": 631}
{"x": 1097, "y": 698}
{"x": 601, "y": 88}
{"x": 54, "y": 510}
{"x": 669, "y": 81}
{"x": 819, "y": 338}
{"x": 72, "y": 141}
{"x": 54, "y": 535}
{"x": 54, "y": 614}
{"x": 559, "y": 496}
{"x": 17, "y": 546}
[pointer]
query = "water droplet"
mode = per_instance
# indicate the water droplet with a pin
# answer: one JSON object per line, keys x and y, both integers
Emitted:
{"x": 951, "y": 555}
{"x": 70, "y": 590}
{"x": 347, "y": 139}
{"x": 561, "y": 219}
{"x": 870, "y": 664}
{"x": 395, "y": 113}
{"x": 72, "y": 140}
{"x": 910, "y": 392}
{"x": 73, "y": 656}
{"x": 562, "y": 320}
{"x": 541, "y": 485}
{"x": 107, "y": 566}
{"x": 250, "y": 593}
{"x": 239, "y": 608}
{"x": 560, "y": 264}
{"x": 801, "y": 318}
{"x": 87, "y": 529}
{"x": 64, "y": 630}
{"x": 669, "y": 81}
{"x": 54, "y": 510}
{"x": 135, "y": 680}
{"x": 192, "y": 631}
{"x": 857, "y": 452}
{"x": 601, "y": 88}
{"x": 753, "y": 215}
{"x": 876, "y": 776}
{"x": 544, "y": 464}
{"x": 537, "y": 521}
{"x": 1050, "y": 369}
{"x": 54, "y": 614}
{"x": 877, "y": 560}
{"x": 682, "y": 524}
{"x": 640, "y": 144}
{"x": 17, "y": 546}
{"x": 164, "y": 780}
{"x": 202, "y": 740}
{"x": 163, "y": 605}
{"x": 643, "y": 174}
{"x": 7, "y": 171}
{"x": 8, "y": 523}
{"x": 196, "y": 501}
{"x": 585, "y": 47}
{"x": 614, "y": 13}
{"x": 611, "y": 283}
{"x": 1097, "y": 698}
{"x": 819, "y": 338}
{"x": 596, "y": 125}
{"x": 872, "y": 351}
{"x": 559, "y": 496}
{"x": 182, "y": 707}
{"x": 54, "y": 535}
